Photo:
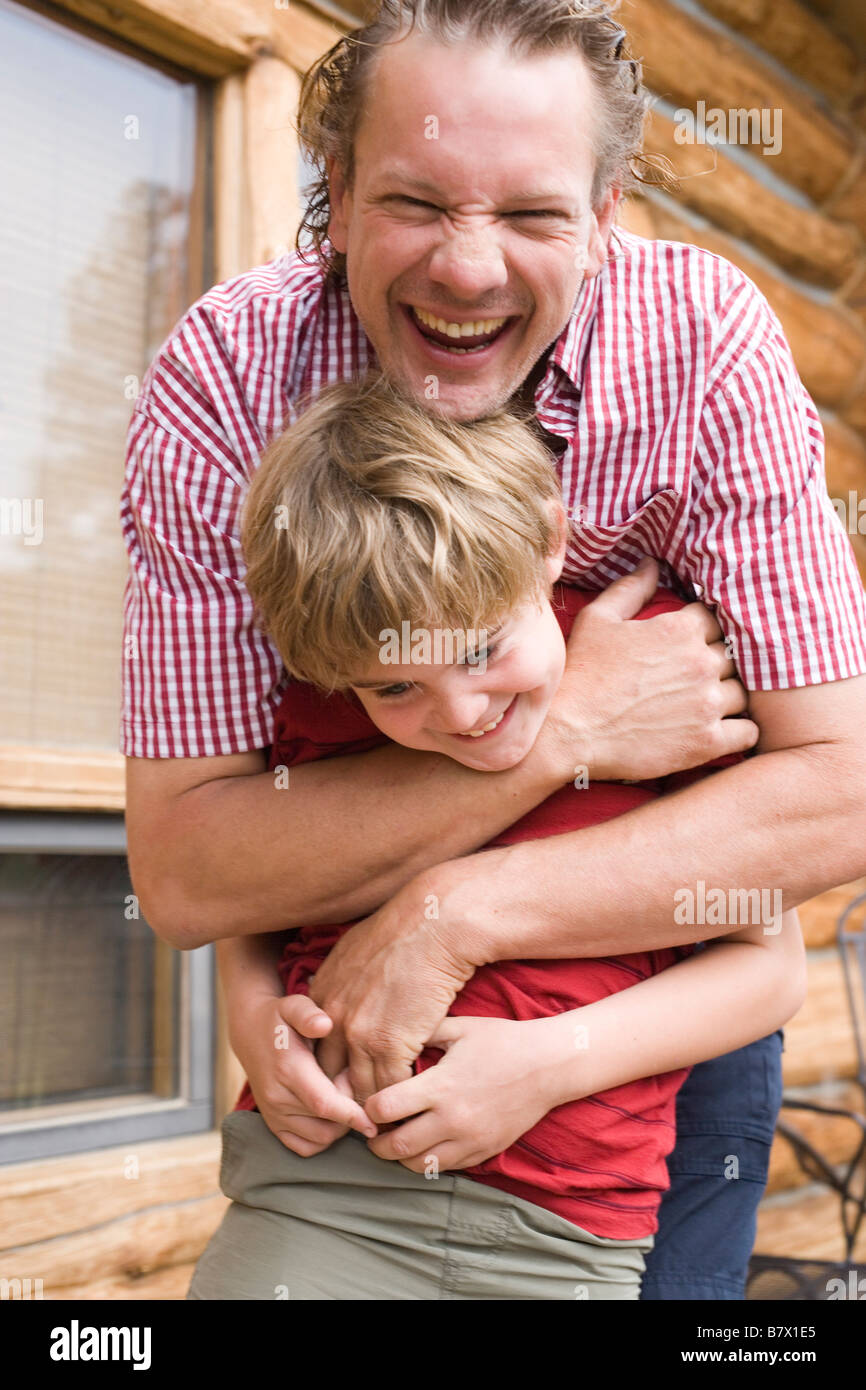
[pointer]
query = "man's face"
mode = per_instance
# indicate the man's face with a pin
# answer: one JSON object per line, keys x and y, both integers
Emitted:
{"x": 469, "y": 211}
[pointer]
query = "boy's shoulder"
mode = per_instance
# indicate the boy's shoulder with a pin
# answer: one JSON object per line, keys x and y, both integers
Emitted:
{"x": 567, "y": 601}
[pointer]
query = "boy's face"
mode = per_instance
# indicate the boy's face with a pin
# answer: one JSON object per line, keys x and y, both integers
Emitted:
{"x": 441, "y": 706}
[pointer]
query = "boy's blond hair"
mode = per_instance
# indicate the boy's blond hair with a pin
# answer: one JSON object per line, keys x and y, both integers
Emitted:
{"x": 369, "y": 512}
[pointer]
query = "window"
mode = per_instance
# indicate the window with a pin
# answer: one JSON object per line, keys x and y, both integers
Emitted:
{"x": 101, "y": 251}
{"x": 107, "y": 1032}
{"x": 104, "y": 243}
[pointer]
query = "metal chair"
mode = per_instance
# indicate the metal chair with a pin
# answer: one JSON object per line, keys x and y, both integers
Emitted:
{"x": 777, "y": 1277}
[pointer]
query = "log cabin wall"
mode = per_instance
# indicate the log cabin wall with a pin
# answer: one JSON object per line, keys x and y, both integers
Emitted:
{"x": 796, "y": 223}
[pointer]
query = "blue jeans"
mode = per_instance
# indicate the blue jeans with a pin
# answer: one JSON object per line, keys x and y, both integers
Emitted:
{"x": 726, "y": 1115}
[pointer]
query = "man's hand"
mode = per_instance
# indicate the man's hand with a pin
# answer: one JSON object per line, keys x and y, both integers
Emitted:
{"x": 387, "y": 984}
{"x": 297, "y": 1101}
{"x": 487, "y": 1090}
{"x": 645, "y": 699}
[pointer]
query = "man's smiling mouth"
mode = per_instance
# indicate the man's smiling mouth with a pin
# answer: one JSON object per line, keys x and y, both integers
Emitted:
{"x": 472, "y": 335}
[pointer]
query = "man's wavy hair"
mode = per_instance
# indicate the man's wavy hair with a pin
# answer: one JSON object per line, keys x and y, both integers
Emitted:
{"x": 334, "y": 88}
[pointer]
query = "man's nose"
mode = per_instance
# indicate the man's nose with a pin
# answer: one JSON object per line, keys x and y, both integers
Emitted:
{"x": 469, "y": 263}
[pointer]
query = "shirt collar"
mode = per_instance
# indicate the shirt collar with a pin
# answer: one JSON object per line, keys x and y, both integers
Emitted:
{"x": 569, "y": 353}
{"x": 571, "y": 346}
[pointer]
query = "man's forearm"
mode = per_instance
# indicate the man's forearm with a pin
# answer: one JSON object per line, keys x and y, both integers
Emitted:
{"x": 218, "y": 848}
{"x": 245, "y": 854}
{"x": 792, "y": 821}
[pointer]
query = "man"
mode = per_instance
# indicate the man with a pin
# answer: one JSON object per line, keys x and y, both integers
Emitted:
{"x": 475, "y": 157}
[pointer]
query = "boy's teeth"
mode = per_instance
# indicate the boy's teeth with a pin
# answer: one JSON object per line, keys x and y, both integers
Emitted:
{"x": 459, "y": 330}
{"x": 476, "y": 733}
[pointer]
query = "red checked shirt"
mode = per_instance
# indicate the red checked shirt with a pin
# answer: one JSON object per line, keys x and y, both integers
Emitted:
{"x": 686, "y": 434}
{"x": 599, "y": 1161}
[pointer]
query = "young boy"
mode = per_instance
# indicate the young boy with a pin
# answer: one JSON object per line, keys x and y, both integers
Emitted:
{"x": 406, "y": 568}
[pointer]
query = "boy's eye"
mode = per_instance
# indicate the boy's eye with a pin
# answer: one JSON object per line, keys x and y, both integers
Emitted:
{"x": 484, "y": 654}
{"x": 391, "y": 691}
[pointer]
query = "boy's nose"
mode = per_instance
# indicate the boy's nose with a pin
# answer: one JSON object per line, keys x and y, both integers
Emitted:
{"x": 461, "y": 711}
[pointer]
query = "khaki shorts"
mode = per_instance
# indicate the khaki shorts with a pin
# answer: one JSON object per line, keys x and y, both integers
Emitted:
{"x": 348, "y": 1225}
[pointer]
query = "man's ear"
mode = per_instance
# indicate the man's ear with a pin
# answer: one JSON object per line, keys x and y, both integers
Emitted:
{"x": 602, "y": 222}
{"x": 339, "y": 198}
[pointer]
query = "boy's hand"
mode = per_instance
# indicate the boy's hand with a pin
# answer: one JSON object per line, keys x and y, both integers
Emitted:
{"x": 487, "y": 1090}
{"x": 297, "y": 1101}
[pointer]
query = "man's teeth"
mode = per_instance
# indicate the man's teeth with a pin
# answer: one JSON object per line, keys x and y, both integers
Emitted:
{"x": 459, "y": 330}
{"x": 476, "y": 733}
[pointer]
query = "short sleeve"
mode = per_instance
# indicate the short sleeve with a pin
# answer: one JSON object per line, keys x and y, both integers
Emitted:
{"x": 765, "y": 548}
{"x": 199, "y": 678}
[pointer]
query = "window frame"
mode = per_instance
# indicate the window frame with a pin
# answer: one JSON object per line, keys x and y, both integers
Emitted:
{"x": 49, "y": 1130}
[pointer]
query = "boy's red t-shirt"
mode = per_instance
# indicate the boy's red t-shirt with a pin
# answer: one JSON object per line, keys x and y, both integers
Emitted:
{"x": 600, "y": 1161}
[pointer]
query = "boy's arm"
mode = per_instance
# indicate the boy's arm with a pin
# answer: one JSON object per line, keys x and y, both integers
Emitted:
{"x": 499, "y": 1078}
{"x": 738, "y": 989}
{"x": 274, "y": 1036}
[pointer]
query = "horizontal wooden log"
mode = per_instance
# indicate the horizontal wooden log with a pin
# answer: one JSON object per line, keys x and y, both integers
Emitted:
{"x": 298, "y": 35}
{"x": 169, "y": 1284}
{"x": 854, "y": 410}
{"x": 209, "y": 37}
{"x": 804, "y": 1224}
{"x": 845, "y": 459}
{"x": 845, "y": 453}
{"x": 848, "y": 470}
{"x": 798, "y": 39}
{"x": 835, "y": 1137}
{"x": 214, "y": 37}
{"x": 801, "y": 240}
{"x": 848, "y": 201}
{"x": 689, "y": 61}
{"x": 819, "y": 916}
{"x": 819, "y": 1039}
{"x": 64, "y": 778}
{"x": 135, "y": 1245}
{"x": 828, "y": 344}
{"x": 854, "y": 294}
{"x": 59, "y": 1196}
{"x": 845, "y": 450}
{"x": 357, "y": 11}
